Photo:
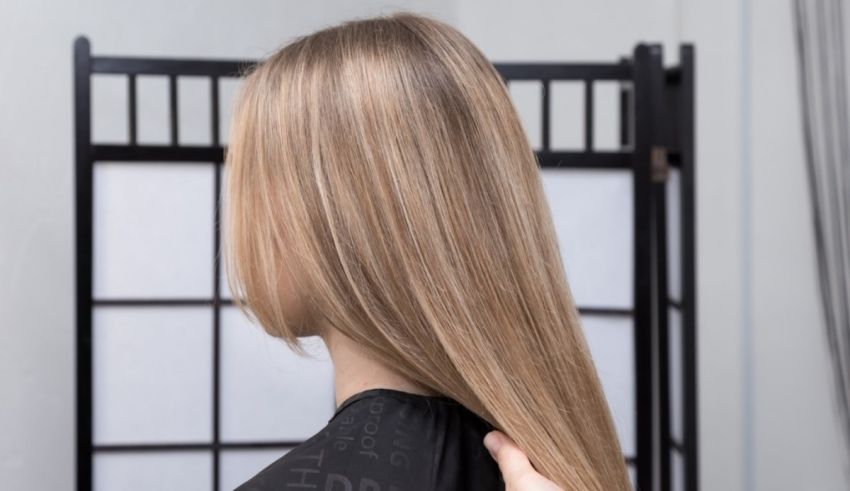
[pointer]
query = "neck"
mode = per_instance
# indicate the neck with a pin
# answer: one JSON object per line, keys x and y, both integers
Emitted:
{"x": 355, "y": 370}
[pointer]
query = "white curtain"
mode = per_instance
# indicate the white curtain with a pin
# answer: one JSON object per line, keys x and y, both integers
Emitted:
{"x": 824, "y": 96}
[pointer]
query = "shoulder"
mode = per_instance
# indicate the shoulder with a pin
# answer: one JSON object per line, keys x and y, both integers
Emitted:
{"x": 382, "y": 439}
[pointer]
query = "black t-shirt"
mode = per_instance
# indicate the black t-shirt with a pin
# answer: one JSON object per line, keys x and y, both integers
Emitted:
{"x": 389, "y": 440}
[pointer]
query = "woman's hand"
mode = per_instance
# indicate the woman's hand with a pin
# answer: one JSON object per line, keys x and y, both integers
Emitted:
{"x": 517, "y": 471}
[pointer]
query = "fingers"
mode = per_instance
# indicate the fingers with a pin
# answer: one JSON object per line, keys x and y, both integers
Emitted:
{"x": 517, "y": 471}
{"x": 512, "y": 461}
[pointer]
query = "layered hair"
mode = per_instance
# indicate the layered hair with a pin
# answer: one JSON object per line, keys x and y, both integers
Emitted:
{"x": 379, "y": 168}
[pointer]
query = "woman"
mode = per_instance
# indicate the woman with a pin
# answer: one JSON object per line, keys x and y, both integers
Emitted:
{"x": 382, "y": 194}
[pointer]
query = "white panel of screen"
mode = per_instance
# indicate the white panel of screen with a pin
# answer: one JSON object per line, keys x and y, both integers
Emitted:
{"x": 109, "y": 109}
{"x": 592, "y": 211}
{"x": 611, "y": 341}
{"x": 228, "y": 88}
{"x": 269, "y": 393}
{"x": 153, "y": 230}
{"x": 153, "y": 106}
{"x": 223, "y": 288}
{"x": 237, "y": 466}
{"x": 152, "y": 374}
{"x": 145, "y": 471}
{"x": 194, "y": 116}
{"x": 526, "y": 97}
{"x": 674, "y": 238}
{"x": 678, "y": 472}
{"x": 676, "y": 366}
{"x": 178, "y": 470}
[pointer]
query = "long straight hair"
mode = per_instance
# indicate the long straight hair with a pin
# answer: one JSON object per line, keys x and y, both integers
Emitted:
{"x": 380, "y": 169}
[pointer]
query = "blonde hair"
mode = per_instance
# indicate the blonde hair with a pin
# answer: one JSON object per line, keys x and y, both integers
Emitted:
{"x": 381, "y": 167}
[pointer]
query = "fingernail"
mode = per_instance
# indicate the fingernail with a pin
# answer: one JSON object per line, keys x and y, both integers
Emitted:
{"x": 493, "y": 441}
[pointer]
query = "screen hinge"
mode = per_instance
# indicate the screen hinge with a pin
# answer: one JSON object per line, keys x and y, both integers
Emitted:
{"x": 660, "y": 165}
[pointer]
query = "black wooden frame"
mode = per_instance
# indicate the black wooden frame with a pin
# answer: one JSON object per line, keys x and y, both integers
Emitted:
{"x": 656, "y": 132}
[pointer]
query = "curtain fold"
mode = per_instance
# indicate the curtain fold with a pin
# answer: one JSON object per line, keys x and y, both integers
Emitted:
{"x": 824, "y": 95}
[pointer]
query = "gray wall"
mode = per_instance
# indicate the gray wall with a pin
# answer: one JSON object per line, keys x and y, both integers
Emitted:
{"x": 755, "y": 254}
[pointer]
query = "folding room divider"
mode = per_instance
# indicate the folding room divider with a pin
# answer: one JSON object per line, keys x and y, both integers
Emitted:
{"x": 644, "y": 342}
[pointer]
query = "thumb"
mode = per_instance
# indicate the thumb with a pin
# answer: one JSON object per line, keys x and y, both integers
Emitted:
{"x": 512, "y": 461}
